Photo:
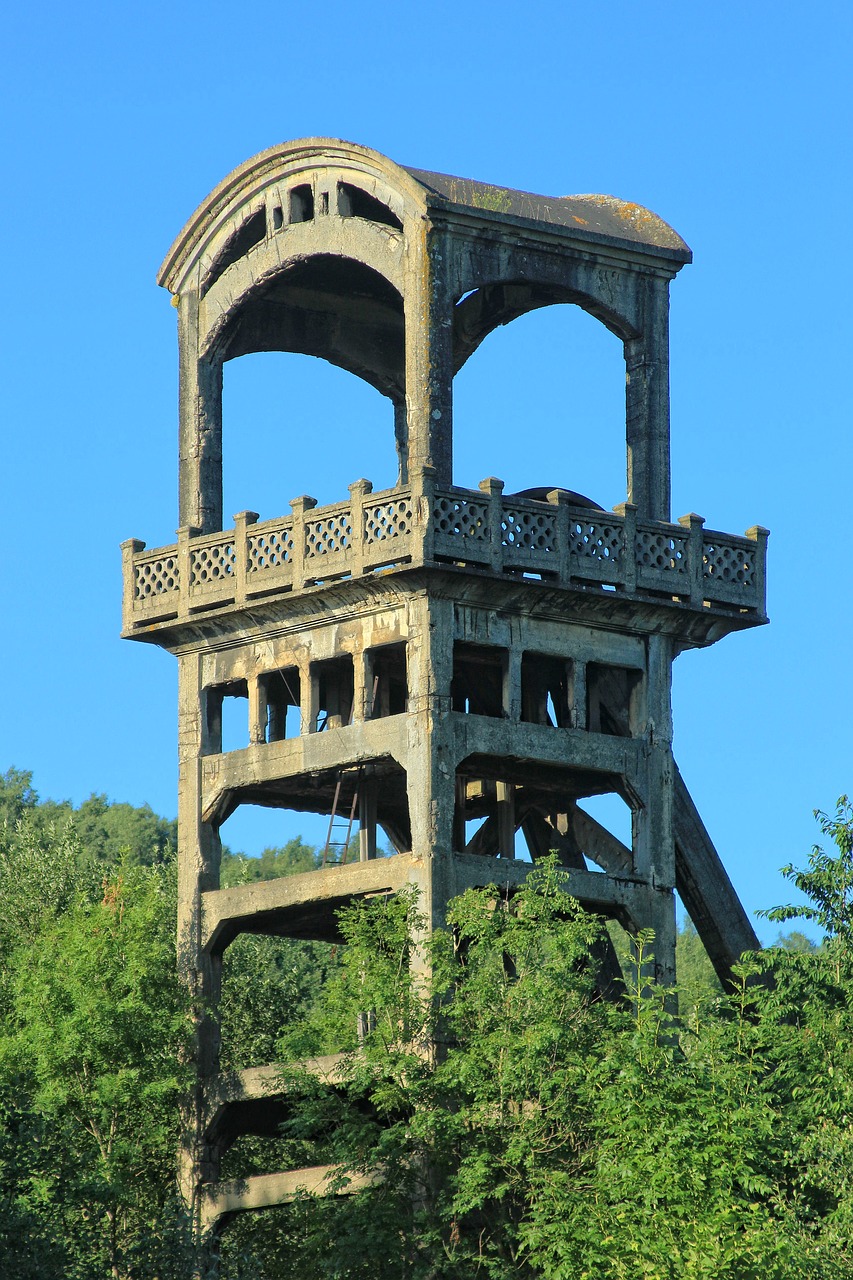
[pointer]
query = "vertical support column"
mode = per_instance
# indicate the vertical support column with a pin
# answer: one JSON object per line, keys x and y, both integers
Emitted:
{"x": 401, "y": 440}
{"x": 577, "y": 692}
{"x": 257, "y": 710}
{"x": 199, "y": 852}
{"x": 361, "y": 702}
{"x": 512, "y": 682}
{"x": 430, "y": 758}
{"x": 368, "y": 791}
{"x": 505, "y": 793}
{"x": 429, "y": 355}
{"x": 647, "y": 405}
{"x": 200, "y": 413}
{"x": 653, "y": 831}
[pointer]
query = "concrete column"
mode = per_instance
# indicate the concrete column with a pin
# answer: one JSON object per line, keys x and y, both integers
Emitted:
{"x": 199, "y": 852}
{"x": 200, "y": 413}
{"x": 401, "y": 440}
{"x": 257, "y": 711}
{"x": 505, "y": 793}
{"x": 647, "y": 406}
{"x": 654, "y": 841}
{"x": 429, "y": 357}
{"x": 368, "y": 792}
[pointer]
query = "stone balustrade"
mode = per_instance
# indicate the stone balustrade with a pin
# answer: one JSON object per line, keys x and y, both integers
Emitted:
{"x": 426, "y": 524}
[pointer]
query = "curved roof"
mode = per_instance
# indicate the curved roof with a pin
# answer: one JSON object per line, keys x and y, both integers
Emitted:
{"x": 593, "y": 216}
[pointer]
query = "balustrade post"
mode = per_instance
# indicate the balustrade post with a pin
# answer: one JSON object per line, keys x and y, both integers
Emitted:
{"x": 299, "y": 506}
{"x": 358, "y": 490}
{"x": 185, "y": 532}
{"x": 493, "y": 489}
{"x": 129, "y": 548}
{"x": 695, "y": 556}
{"x": 560, "y": 499}
{"x": 628, "y": 512}
{"x": 759, "y": 535}
{"x": 242, "y": 520}
{"x": 423, "y": 514}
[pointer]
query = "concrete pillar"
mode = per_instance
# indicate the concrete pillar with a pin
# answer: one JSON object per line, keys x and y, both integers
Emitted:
{"x": 653, "y": 827}
{"x": 199, "y": 852}
{"x": 429, "y": 357}
{"x": 647, "y": 406}
{"x": 200, "y": 414}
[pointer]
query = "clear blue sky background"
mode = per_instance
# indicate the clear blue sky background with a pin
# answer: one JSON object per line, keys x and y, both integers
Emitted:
{"x": 732, "y": 121}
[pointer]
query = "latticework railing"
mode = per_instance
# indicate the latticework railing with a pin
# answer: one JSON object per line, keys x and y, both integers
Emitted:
{"x": 430, "y": 524}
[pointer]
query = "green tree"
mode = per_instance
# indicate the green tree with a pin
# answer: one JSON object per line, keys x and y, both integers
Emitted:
{"x": 552, "y": 1134}
{"x": 94, "y": 1026}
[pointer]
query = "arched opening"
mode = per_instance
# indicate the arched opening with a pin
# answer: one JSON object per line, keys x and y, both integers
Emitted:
{"x": 293, "y": 424}
{"x": 541, "y": 403}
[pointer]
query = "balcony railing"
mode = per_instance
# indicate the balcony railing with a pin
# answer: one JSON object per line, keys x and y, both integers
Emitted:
{"x": 427, "y": 524}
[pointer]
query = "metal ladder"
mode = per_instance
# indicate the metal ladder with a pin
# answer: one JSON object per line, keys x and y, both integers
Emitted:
{"x": 341, "y": 825}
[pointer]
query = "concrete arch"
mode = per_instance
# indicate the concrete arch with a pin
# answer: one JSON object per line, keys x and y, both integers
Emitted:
{"x": 498, "y": 302}
{"x": 374, "y": 247}
{"x": 264, "y": 184}
{"x": 329, "y": 306}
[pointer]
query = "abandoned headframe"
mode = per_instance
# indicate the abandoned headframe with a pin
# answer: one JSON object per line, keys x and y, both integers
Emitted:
{"x": 456, "y": 668}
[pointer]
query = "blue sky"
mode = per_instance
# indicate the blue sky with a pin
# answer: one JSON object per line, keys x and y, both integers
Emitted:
{"x": 731, "y": 121}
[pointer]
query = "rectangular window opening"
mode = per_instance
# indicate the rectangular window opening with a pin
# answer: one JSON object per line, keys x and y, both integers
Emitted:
{"x": 226, "y": 717}
{"x": 282, "y": 697}
{"x": 479, "y": 680}
{"x": 546, "y": 690}
{"x": 387, "y": 692}
{"x": 333, "y": 692}
{"x": 612, "y": 699}
{"x": 301, "y": 203}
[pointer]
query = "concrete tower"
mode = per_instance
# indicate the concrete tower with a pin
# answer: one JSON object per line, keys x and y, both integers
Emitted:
{"x": 450, "y": 666}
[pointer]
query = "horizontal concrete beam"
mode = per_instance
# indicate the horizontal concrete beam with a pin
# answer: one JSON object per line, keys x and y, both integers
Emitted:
{"x": 342, "y": 748}
{"x": 263, "y": 1082}
{"x": 263, "y": 1191}
{"x": 596, "y": 891}
{"x": 235, "y": 1089}
{"x": 569, "y": 748}
{"x": 271, "y": 906}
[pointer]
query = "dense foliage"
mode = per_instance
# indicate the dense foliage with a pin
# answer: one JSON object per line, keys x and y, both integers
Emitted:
{"x": 550, "y": 1134}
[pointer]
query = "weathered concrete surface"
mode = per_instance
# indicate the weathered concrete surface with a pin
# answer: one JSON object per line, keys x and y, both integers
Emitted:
{"x": 457, "y": 669}
{"x": 262, "y": 1191}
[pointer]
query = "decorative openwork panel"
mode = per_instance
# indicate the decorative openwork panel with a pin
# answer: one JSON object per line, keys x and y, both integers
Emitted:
{"x": 461, "y": 518}
{"x": 597, "y": 540}
{"x": 388, "y": 520}
{"x": 728, "y": 563}
{"x": 270, "y": 550}
{"x": 211, "y": 563}
{"x": 156, "y": 577}
{"x": 661, "y": 550}
{"x": 528, "y": 530}
{"x": 324, "y": 537}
